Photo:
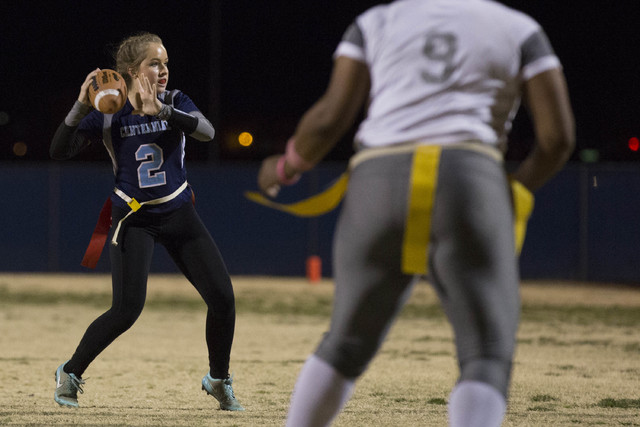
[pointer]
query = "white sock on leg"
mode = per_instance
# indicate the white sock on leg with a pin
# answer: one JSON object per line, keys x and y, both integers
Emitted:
{"x": 476, "y": 404}
{"x": 319, "y": 395}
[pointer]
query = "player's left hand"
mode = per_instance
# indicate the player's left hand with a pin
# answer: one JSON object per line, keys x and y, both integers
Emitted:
{"x": 146, "y": 99}
{"x": 268, "y": 178}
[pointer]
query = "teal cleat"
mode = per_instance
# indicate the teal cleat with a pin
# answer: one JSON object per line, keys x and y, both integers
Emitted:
{"x": 221, "y": 389}
{"x": 67, "y": 388}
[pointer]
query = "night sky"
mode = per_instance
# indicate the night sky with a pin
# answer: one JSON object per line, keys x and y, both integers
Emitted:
{"x": 258, "y": 65}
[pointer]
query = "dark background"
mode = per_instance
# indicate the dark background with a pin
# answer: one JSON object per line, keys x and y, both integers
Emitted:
{"x": 258, "y": 65}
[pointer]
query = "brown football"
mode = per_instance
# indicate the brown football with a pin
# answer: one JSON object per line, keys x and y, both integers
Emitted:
{"x": 108, "y": 91}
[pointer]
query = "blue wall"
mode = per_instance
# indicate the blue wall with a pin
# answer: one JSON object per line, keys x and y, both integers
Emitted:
{"x": 584, "y": 225}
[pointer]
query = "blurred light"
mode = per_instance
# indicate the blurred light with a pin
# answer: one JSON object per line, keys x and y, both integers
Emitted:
{"x": 634, "y": 143}
{"x": 4, "y": 118}
{"x": 245, "y": 139}
{"x": 589, "y": 155}
{"x": 19, "y": 148}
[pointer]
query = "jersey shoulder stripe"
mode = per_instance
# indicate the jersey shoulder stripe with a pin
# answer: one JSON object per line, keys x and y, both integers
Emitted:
{"x": 537, "y": 55}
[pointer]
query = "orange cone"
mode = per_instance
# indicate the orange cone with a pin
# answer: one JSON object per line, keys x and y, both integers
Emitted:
{"x": 314, "y": 268}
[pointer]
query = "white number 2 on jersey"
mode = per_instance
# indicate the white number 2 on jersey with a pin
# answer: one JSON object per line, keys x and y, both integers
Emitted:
{"x": 152, "y": 157}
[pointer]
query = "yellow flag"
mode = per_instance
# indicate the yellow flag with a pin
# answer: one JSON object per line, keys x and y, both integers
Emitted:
{"x": 313, "y": 206}
{"x": 523, "y": 201}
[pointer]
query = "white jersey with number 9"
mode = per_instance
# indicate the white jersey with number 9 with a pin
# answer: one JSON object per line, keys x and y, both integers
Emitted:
{"x": 450, "y": 80}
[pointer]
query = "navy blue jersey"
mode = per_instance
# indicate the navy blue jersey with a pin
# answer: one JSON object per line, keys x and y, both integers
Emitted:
{"x": 147, "y": 154}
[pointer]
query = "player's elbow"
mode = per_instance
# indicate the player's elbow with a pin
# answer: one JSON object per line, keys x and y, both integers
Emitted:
{"x": 567, "y": 144}
{"x": 565, "y": 140}
{"x": 57, "y": 154}
{"x": 560, "y": 142}
{"x": 204, "y": 130}
{"x": 556, "y": 130}
{"x": 327, "y": 122}
{"x": 203, "y": 135}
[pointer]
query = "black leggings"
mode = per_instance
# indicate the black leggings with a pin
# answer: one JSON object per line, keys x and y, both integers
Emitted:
{"x": 193, "y": 250}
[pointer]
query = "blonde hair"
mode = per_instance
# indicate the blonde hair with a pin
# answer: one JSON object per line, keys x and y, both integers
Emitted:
{"x": 131, "y": 52}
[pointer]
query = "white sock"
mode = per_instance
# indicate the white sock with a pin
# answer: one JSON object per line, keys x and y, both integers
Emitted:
{"x": 319, "y": 395}
{"x": 476, "y": 404}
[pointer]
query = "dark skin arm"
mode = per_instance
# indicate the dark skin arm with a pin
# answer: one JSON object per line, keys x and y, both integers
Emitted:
{"x": 322, "y": 126}
{"x": 547, "y": 97}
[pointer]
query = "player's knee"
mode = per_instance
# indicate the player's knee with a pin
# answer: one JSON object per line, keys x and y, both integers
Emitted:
{"x": 493, "y": 371}
{"x": 349, "y": 358}
{"x": 125, "y": 317}
{"x": 222, "y": 307}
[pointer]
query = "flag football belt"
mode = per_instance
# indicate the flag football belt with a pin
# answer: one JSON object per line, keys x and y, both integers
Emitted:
{"x": 424, "y": 173}
{"x": 99, "y": 236}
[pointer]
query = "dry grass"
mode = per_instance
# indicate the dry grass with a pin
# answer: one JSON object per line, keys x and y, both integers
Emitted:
{"x": 577, "y": 361}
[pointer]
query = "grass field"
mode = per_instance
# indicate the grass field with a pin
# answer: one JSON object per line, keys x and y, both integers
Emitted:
{"x": 577, "y": 363}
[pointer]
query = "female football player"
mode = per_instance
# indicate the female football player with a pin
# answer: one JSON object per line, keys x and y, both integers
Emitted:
{"x": 151, "y": 203}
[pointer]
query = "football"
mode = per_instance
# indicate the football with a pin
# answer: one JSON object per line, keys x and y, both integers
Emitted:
{"x": 108, "y": 91}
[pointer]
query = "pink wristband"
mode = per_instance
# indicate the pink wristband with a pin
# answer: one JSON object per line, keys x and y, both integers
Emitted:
{"x": 295, "y": 160}
{"x": 282, "y": 176}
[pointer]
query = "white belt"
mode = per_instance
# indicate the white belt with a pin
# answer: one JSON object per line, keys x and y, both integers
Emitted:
{"x": 135, "y": 206}
{"x": 373, "y": 152}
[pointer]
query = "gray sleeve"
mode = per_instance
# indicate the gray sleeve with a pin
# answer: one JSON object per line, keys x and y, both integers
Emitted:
{"x": 67, "y": 142}
{"x": 204, "y": 131}
{"x": 77, "y": 113}
{"x": 194, "y": 124}
{"x": 353, "y": 35}
{"x": 535, "y": 47}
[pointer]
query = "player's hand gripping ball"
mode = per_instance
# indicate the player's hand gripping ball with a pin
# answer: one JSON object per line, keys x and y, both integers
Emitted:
{"x": 108, "y": 91}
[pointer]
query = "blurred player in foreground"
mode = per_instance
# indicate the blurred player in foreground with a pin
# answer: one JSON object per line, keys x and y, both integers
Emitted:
{"x": 428, "y": 192}
{"x": 145, "y": 140}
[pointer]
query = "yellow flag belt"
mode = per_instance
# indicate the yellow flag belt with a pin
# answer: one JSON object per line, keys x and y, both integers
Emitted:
{"x": 424, "y": 175}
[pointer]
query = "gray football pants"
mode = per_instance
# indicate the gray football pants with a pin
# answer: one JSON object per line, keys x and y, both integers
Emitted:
{"x": 472, "y": 263}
